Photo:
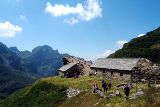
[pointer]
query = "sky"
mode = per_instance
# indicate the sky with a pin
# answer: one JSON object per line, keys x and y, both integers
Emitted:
{"x": 89, "y": 29}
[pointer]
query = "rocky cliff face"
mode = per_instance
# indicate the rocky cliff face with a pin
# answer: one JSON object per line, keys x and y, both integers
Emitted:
{"x": 8, "y": 58}
{"x": 20, "y": 68}
{"x": 43, "y": 60}
{"x": 12, "y": 74}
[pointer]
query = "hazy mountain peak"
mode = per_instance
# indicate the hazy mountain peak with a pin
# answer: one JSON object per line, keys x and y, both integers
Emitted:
{"x": 14, "y": 49}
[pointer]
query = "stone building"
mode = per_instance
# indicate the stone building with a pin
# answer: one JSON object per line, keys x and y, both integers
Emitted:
{"x": 74, "y": 65}
{"x": 69, "y": 70}
{"x": 119, "y": 67}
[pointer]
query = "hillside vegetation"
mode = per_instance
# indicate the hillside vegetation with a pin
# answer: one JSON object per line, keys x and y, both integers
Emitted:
{"x": 50, "y": 92}
{"x": 41, "y": 94}
{"x": 47, "y": 92}
{"x": 147, "y": 46}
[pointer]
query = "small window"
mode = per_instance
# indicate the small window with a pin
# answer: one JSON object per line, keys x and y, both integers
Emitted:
{"x": 111, "y": 73}
{"x": 121, "y": 74}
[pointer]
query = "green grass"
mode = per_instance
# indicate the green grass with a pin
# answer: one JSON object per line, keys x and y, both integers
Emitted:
{"x": 2, "y": 97}
{"x": 50, "y": 92}
{"x": 150, "y": 99}
{"x": 85, "y": 99}
{"x": 84, "y": 82}
{"x": 41, "y": 94}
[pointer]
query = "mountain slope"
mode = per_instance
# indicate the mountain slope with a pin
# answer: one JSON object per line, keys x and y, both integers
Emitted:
{"x": 20, "y": 68}
{"x": 40, "y": 94}
{"x": 21, "y": 54}
{"x": 43, "y": 60}
{"x": 48, "y": 92}
{"x": 147, "y": 46}
{"x": 12, "y": 74}
{"x": 9, "y": 58}
{"x": 51, "y": 92}
{"x": 12, "y": 80}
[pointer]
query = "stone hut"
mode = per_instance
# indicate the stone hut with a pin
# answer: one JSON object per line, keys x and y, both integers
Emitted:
{"x": 83, "y": 66}
{"x": 69, "y": 70}
{"x": 118, "y": 67}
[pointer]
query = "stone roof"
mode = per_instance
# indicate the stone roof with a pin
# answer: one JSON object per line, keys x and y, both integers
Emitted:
{"x": 68, "y": 66}
{"x": 116, "y": 63}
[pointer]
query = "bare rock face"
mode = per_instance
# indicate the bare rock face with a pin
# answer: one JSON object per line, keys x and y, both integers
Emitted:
{"x": 83, "y": 65}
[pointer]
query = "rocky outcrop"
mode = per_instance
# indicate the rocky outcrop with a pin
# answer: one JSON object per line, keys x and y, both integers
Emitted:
{"x": 72, "y": 92}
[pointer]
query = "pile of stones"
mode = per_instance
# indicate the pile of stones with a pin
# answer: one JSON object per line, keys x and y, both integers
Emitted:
{"x": 71, "y": 92}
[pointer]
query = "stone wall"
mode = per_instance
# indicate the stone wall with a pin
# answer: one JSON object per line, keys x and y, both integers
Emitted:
{"x": 112, "y": 74}
{"x": 83, "y": 65}
{"x": 141, "y": 72}
{"x": 117, "y": 75}
{"x": 146, "y": 69}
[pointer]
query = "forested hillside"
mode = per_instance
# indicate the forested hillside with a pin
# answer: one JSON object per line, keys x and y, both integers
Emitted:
{"x": 147, "y": 46}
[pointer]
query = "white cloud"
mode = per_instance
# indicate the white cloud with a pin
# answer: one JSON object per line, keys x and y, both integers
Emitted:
{"x": 22, "y": 17}
{"x": 60, "y": 10}
{"x": 105, "y": 54}
{"x": 90, "y": 10}
{"x": 8, "y": 30}
{"x": 140, "y": 35}
{"x": 120, "y": 43}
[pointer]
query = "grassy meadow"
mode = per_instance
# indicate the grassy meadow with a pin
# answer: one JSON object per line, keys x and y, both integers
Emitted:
{"x": 50, "y": 92}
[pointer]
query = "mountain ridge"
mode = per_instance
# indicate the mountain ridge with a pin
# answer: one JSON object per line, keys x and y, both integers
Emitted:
{"x": 20, "y": 68}
{"x": 147, "y": 46}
